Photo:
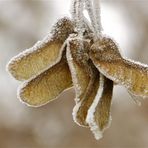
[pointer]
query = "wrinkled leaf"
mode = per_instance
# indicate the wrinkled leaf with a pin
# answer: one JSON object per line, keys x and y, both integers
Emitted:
{"x": 133, "y": 75}
{"x": 43, "y": 54}
{"x": 80, "y": 110}
{"x": 77, "y": 60}
{"x": 82, "y": 75}
{"x": 98, "y": 116}
{"x": 47, "y": 86}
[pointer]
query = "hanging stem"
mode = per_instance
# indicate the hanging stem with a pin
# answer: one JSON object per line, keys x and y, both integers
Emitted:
{"x": 89, "y": 8}
{"x": 73, "y": 9}
{"x": 77, "y": 15}
{"x": 97, "y": 12}
{"x": 93, "y": 8}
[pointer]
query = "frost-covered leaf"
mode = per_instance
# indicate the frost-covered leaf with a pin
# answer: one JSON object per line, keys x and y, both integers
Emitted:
{"x": 47, "y": 86}
{"x": 82, "y": 75}
{"x": 133, "y": 75}
{"x": 43, "y": 54}
{"x": 81, "y": 108}
{"x": 77, "y": 59}
{"x": 98, "y": 116}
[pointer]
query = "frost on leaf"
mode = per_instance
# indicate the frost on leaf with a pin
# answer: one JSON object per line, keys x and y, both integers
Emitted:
{"x": 43, "y": 54}
{"x": 108, "y": 60}
{"x": 81, "y": 109}
{"x": 98, "y": 116}
{"x": 78, "y": 62}
{"x": 83, "y": 75}
{"x": 47, "y": 86}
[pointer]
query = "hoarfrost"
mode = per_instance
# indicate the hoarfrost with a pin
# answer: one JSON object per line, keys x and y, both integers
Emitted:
{"x": 90, "y": 115}
{"x": 73, "y": 71}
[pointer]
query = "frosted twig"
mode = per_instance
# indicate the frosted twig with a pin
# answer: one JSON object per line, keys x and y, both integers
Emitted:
{"x": 79, "y": 16}
{"x": 93, "y": 8}
{"x": 89, "y": 8}
{"x": 90, "y": 115}
{"x": 97, "y": 13}
{"x": 73, "y": 9}
{"x": 74, "y": 13}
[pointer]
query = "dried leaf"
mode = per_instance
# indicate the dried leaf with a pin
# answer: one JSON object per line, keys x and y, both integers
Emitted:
{"x": 43, "y": 54}
{"x": 47, "y": 86}
{"x": 133, "y": 75}
{"x": 98, "y": 116}
{"x": 77, "y": 60}
{"x": 81, "y": 108}
{"x": 82, "y": 75}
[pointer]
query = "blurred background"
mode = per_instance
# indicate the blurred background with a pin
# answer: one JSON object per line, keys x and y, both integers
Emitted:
{"x": 23, "y": 23}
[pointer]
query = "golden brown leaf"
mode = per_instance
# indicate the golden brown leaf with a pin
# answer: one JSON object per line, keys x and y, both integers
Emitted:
{"x": 81, "y": 109}
{"x": 77, "y": 60}
{"x": 83, "y": 75}
{"x": 43, "y": 54}
{"x": 47, "y": 86}
{"x": 98, "y": 116}
{"x": 132, "y": 75}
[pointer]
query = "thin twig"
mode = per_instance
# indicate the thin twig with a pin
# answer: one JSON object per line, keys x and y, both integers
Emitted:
{"x": 97, "y": 12}
{"x": 79, "y": 16}
{"x": 94, "y": 14}
{"x": 73, "y": 9}
{"x": 89, "y": 8}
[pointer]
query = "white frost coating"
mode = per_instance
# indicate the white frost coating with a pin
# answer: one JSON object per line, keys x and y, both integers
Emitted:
{"x": 90, "y": 115}
{"x": 137, "y": 63}
{"x": 73, "y": 71}
{"x": 75, "y": 111}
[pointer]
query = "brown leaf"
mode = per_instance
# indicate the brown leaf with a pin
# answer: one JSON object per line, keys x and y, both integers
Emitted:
{"x": 77, "y": 60}
{"x": 47, "y": 86}
{"x": 82, "y": 74}
{"x": 81, "y": 109}
{"x": 134, "y": 76}
{"x": 98, "y": 116}
{"x": 43, "y": 54}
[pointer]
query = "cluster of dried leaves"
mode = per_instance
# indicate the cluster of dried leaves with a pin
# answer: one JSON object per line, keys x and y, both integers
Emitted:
{"x": 64, "y": 59}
